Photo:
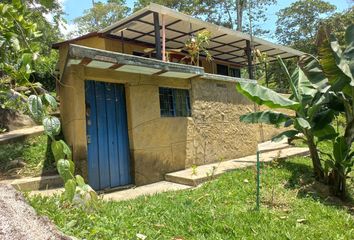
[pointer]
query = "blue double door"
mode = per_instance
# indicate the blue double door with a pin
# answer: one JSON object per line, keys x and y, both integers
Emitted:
{"x": 107, "y": 135}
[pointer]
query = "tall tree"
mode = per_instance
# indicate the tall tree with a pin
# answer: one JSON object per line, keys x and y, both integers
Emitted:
{"x": 338, "y": 23}
{"x": 297, "y": 24}
{"x": 100, "y": 16}
{"x": 229, "y": 13}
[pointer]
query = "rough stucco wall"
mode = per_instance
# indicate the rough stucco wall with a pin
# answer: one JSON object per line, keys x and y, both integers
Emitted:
{"x": 214, "y": 131}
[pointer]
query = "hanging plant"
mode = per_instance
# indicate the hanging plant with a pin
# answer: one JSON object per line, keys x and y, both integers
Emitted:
{"x": 197, "y": 45}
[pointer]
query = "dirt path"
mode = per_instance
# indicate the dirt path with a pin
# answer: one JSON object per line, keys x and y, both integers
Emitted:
{"x": 19, "y": 221}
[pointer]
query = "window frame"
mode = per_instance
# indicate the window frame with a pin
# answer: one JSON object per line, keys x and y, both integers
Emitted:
{"x": 173, "y": 94}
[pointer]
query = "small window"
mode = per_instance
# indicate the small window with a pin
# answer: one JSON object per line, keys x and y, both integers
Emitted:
{"x": 174, "y": 102}
{"x": 235, "y": 72}
{"x": 222, "y": 69}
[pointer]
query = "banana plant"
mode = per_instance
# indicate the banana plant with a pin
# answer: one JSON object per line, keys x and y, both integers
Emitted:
{"x": 337, "y": 67}
{"x": 321, "y": 89}
{"x": 305, "y": 121}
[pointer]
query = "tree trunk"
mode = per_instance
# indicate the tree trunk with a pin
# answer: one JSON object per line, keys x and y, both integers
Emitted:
{"x": 239, "y": 8}
{"x": 316, "y": 162}
{"x": 338, "y": 182}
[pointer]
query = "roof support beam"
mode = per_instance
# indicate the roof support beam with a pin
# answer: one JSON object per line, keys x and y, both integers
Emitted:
{"x": 157, "y": 36}
{"x": 163, "y": 38}
{"x": 151, "y": 32}
{"x": 248, "y": 51}
{"x": 131, "y": 20}
{"x": 184, "y": 34}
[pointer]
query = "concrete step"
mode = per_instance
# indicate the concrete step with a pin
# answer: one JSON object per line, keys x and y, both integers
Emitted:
{"x": 35, "y": 183}
{"x": 125, "y": 194}
{"x": 20, "y": 134}
{"x": 194, "y": 177}
{"x": 145, "y": 190}
{"x": 271, "y": 146}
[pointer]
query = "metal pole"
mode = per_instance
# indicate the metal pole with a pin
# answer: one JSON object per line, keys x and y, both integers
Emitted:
{"x": 157, "y": 36}
{"x": 258, "y": 182}
{"x": 249, "y": 59}
{"x": 163, "y": 38}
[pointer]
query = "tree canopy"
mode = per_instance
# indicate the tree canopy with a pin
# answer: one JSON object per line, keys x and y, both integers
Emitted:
{"x": 229, "y": 13}
{"x": 296, "y": 25}
{"x": 100, "y": 16}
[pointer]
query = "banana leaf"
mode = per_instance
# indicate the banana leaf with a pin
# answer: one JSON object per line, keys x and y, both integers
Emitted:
{"x": 264, "y": 96}
{"x": 267, "y": 117}
{"x": 335, "y": 66}
{"x": 286, "y": 134}
{"x": 311, "y": 67}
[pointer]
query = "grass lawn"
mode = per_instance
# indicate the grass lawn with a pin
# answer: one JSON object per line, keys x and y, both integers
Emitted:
{"x": 292, "y": 208}
{"x": 34, "y": 152}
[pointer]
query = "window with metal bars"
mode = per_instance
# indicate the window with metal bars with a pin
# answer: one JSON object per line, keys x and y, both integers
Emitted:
{"x": 174, "y": 102}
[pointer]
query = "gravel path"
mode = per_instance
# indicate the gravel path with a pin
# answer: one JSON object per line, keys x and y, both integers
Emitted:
{"x": 18, "y": 220}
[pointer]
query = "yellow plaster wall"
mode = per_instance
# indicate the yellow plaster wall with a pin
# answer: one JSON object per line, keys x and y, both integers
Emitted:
{"x": 93, "y": 42}
{"x": 158, "y": 145}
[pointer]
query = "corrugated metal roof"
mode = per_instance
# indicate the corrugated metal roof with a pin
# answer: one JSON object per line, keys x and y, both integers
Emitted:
{"x": 226, "y": 44}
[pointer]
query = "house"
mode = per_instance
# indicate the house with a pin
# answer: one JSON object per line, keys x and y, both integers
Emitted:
{"x": 132, "y": 114}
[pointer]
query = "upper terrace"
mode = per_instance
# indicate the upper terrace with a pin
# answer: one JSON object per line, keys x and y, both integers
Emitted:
{"x": 156, "y": 30}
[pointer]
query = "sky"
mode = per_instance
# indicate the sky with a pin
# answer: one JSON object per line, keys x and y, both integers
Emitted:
{"x": 75, "y": 8}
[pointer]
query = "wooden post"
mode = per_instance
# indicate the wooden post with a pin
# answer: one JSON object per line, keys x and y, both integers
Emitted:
{"x": 163, "y": 38}
{"x": 249, "y": 59}
{"x": 157, "y": 36}
{"x": 122, "y": 40}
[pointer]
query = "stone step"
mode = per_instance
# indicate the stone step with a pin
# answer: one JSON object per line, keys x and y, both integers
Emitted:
{"x": 20, "y": 134}
{"x": 35, "y": 183}
{"x": 200, "y": 174}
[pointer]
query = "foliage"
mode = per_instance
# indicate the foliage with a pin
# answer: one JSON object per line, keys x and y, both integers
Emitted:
{"x": 298, "y": 23}
{"x": 230, "y": 13}
{"x": 34, "y": 152}
{"x": 101, "y": 15}
{"x": 303, "y": 99}
{"x": 75, "y": 188}
{"x": 220, "y": 209}
{"x": 19, "y": 51}
{"x": 24, "y": 50}
{"x": 338, "y": 23}
{"x": 18, "y": 48}
{"x": 197, "y": 45}
{"x": 338, "y": 69}
{"x": 322, "y": 89}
